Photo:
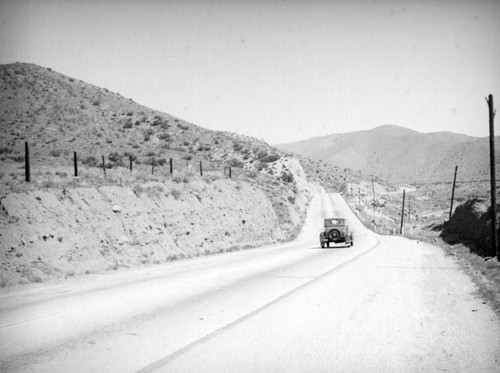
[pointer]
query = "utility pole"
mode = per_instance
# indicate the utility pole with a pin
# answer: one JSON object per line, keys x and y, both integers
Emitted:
{"x": 409, "y": 208}
{"x": 373, "y": 192}
{"x": 402, "y": 213}
{"x": 494, "y": 244}
{"x": 453, "y": 192}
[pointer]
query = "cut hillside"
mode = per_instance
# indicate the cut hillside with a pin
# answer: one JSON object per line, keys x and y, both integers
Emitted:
{"x": 59, "y": 115}
{"x": 401, "y": 155}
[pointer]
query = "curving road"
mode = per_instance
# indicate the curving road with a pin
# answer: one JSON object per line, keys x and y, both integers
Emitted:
{"x": 387, "y": 304}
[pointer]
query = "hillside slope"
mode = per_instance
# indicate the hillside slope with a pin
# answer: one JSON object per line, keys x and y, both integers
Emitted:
{"x": 59, "y": 115}
{"x": 401, "y": 155}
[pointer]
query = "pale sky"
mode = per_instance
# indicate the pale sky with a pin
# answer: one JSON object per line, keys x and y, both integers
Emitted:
{"x": 280, "y": 71}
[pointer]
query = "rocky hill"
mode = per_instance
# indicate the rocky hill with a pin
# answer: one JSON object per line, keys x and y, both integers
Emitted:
{"x": 402, "y": 155}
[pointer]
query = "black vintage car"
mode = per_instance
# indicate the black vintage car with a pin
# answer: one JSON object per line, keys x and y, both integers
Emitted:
{"x": 336, "y": 230}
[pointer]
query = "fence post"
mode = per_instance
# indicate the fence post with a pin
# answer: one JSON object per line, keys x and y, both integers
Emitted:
{"x": 201, "y": 169}
{"x": 75, "y": 161}
{"x": 130, "y": 159}
{"x": 171, "y": 167}
{"x": 153, "y": 166}
{"x": 402, "y": 213}
{"x": 104, "y": 166}
{"x": 27, "y": 169}
{"x": 230, "y": 176}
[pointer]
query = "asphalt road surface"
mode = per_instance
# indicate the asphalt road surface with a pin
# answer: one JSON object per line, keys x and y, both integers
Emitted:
{"x": 387, "y": 304}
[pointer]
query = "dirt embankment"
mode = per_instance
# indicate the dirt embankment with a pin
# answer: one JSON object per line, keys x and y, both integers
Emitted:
{"x": 66, "y": 232}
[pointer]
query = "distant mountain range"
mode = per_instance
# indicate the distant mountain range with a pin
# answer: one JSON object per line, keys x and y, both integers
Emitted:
{"x": 399, "y": 154}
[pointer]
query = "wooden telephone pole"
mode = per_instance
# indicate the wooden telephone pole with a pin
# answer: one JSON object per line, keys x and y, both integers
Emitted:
{"x": 494, "y": 243}
{"x": 453, "y": 191}
{"x": 402, "y": 213}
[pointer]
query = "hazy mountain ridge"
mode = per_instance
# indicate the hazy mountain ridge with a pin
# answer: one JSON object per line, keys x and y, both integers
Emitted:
{"x": 399, "y": 154}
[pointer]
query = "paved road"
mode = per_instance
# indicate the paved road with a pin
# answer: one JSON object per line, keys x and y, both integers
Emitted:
{"x": 387, "y": 304}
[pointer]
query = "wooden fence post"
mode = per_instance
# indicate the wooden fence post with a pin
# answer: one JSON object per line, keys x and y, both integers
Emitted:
{"x": 153, "y": 166}
{"x": 27, "y": 167}
{"x": 230, "y": 176}
{"x": 171, "y": 167}
{"x": 104, "y": 166}
{"x": 130, "y": 161}
{"x": 75, "y": 161}
{"x": 201, "y": 169}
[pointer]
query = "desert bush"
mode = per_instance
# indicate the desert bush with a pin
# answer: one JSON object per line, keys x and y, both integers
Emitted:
{"x": 261, "y": 166}
{"x": 128, "y": 125}
{"x": 150, "y": 131}
{"x": 270, "y": 158}
{"x": 5, "y": 150}
{"x": 130, "y": 113}
{"x": 147, "y": 137}
{"x": 164, "y": 136}
{"x": 287, "y": 177}
{"x": 235, "y": 162}
{"x": 55, "y": 153}
{"x": 90, "y": 161}
{"x": 116, "y": 159}
{"x": 252, "y": 174}
{"x": 187, "y": 157}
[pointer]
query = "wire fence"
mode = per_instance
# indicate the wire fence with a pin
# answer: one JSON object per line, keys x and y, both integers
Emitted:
{"x": 74, "y": 168}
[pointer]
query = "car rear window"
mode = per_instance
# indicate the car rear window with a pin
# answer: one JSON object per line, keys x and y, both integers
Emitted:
{"x": 329, "y": 222}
